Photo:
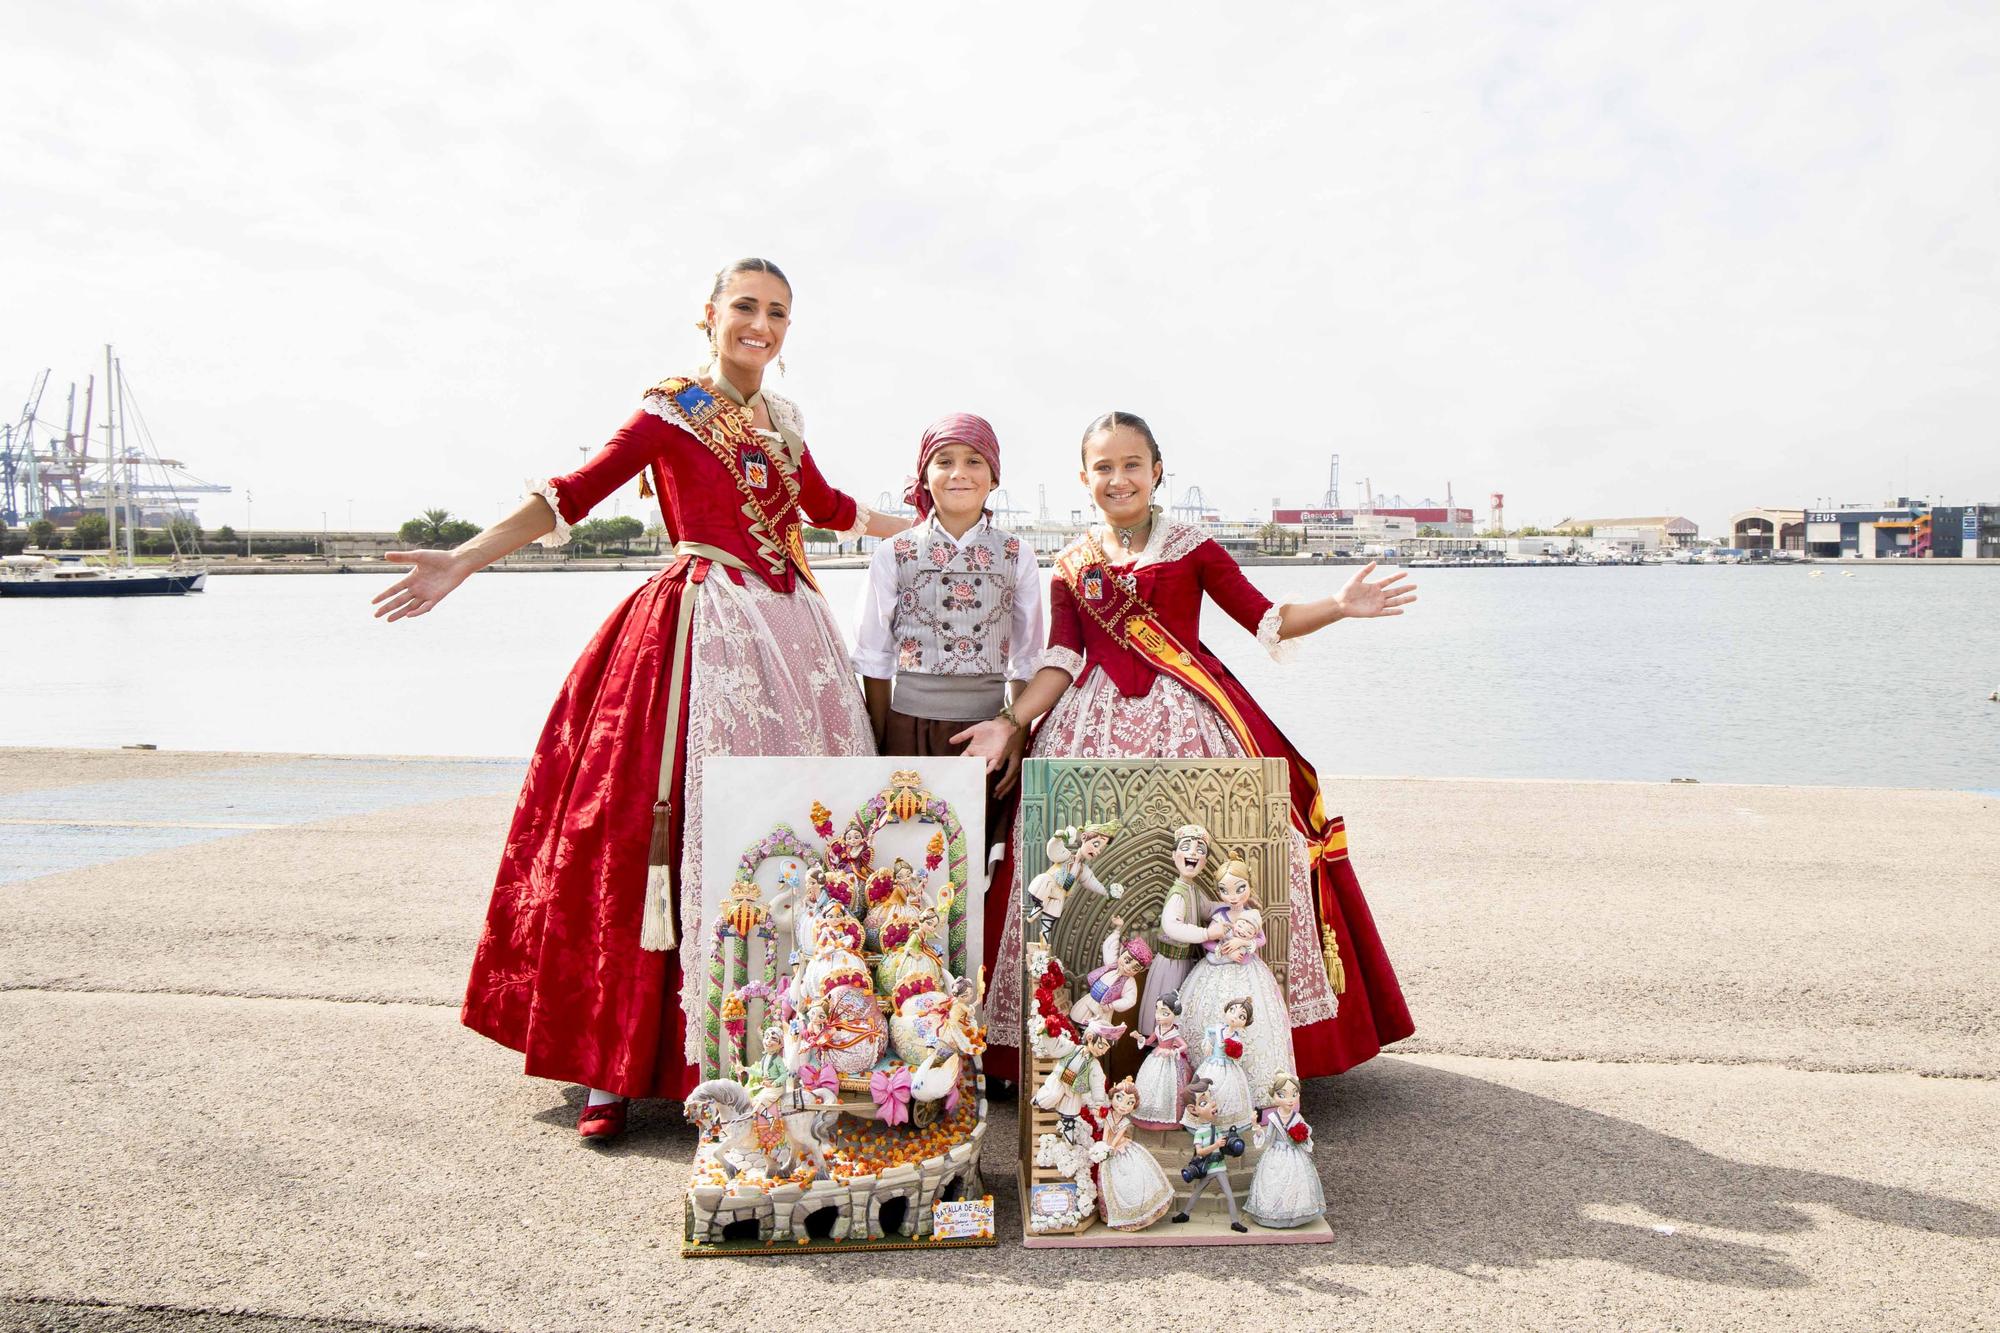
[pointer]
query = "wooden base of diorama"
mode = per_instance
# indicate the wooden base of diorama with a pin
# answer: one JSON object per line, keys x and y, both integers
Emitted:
{"x": 751, "y": 1248}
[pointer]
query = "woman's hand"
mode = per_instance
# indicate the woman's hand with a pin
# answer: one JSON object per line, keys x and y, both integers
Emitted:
{"x": 438, "y": 572}
{"x": 435, "y": 575}
{"x": 1361, "y": 599}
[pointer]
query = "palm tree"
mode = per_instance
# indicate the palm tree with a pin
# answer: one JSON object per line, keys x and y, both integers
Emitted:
{"x": 429, "y": 530}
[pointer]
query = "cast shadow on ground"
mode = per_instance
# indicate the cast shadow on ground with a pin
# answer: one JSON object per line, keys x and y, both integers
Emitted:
{"x": 1423, "y": 1166}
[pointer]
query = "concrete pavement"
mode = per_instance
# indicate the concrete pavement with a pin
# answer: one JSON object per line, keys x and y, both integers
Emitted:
{"x": 1688, "y": 1057}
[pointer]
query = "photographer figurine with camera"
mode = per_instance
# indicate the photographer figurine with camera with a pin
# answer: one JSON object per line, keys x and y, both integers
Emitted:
{"x": 1214, "y": 1145}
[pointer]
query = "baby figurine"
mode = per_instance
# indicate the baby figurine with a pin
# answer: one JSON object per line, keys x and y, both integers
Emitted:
{"x": 1285, "y": 1192}
{"x": 1114, "y": 988}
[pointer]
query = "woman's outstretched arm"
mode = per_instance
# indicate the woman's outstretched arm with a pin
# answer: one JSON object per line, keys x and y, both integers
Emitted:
{"x": 438, "y": 572}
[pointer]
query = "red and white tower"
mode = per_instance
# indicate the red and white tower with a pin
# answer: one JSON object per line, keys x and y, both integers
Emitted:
{"x": 1499, "y": 504}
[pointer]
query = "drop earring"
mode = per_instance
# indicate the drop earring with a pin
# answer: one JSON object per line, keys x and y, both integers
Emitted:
{"x": 781, "y": 363}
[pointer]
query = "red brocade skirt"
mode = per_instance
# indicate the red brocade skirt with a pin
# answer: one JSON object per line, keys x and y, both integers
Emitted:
{"x": 559, "y": 974}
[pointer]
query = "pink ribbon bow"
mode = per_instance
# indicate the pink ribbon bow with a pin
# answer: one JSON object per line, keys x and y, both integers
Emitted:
{"x": 891, "y": 1091}
{"x": 819, "y": 1078}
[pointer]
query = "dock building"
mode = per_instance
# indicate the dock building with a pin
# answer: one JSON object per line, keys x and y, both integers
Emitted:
{"x": 1447, "y": 520}
{"x": 1901, "y": 527}
{"x": 1965, "y": 532}
{"x": 1651, "y": 533}
{"x": 1763, "y": 530}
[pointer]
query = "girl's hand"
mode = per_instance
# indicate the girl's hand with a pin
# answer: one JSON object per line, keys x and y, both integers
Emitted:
{"x": 989, "y": 740}
{"x": 1216, "y": 930}
{"x": 1361, "y": 599}
{"x": 1016, "y": 751}
{"x": 435, "y": 575}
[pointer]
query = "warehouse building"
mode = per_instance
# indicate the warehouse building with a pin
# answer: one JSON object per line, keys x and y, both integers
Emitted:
{"x": 1868, "y": 532}
{"x": 1965, "y": 532}
{"x": 1652, "y": 533}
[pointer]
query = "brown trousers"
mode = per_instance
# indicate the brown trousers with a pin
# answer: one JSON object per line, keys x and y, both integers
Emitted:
{"x": 920, "y": 736}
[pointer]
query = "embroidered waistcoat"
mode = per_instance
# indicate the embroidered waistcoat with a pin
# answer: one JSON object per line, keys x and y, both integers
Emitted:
{"x": 954, "y": 602}
{"x": 1190, "y": 913}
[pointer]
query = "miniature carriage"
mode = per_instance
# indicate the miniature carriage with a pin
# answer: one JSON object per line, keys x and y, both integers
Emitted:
{"x": 842, "y": 1037}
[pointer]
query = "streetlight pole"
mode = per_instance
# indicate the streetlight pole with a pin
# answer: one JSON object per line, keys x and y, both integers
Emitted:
{"x": 249, "y": 524}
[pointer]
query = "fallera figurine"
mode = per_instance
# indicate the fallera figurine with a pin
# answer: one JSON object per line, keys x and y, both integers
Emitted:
{"x": 1184, "y": 924}
{"x": 1224, "y": 1044}
{"x": 837, "y": 993}
{"x": 1114, "y": 987}
{"x": 1132, "y": 1191}
{"x": 1163, "y": 1076}
{"x": 910, "y": 962}
{"x": 1232, "y": 967}
{"x": 890, "y": 890}
{"x": 1214, "y": 1145}
{"x": 1285, "y": 1191}
{"x": 1070, "y": 853}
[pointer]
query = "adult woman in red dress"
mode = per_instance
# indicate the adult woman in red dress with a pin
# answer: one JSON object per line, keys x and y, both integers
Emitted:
{"x": 1125, "y": 676}
{"x": 729, "y": 650}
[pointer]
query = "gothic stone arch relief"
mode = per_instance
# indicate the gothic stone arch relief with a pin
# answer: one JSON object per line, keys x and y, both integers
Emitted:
{"x": 1242, "y": 803}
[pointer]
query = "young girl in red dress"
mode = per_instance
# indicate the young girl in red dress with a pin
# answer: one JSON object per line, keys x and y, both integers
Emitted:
{"x": 730, "y": 650}
{"x": 1126, "y": 676}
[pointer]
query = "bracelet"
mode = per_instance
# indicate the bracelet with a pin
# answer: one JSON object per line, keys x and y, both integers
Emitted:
{"x": 1006, "y": 715}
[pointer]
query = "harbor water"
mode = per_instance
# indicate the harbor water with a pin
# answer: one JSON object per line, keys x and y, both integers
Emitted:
{"x": 1857, "y": 677}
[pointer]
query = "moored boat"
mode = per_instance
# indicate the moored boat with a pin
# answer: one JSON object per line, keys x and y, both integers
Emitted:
{"x": 35, "y": 576}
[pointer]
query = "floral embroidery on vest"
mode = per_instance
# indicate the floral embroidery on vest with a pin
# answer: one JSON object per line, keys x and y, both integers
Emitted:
{"x": 954, "y": 603}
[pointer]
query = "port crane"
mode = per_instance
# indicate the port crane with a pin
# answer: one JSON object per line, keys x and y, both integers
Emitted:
{"x": 60, "y": 479}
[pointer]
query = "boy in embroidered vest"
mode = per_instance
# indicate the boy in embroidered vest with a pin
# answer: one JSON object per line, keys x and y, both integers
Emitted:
{"x": 950, "y": 624}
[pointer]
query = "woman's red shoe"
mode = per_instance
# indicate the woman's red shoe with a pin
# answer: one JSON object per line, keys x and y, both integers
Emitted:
{"x": 603, "y": 1122}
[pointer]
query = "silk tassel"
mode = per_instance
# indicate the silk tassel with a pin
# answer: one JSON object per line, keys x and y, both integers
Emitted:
{"x": 656, "y": 928}
{"x": 1336, "y": 971}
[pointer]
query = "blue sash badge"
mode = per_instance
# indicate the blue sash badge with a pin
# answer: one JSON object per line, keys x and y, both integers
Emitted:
{"x": 697, "y": 405}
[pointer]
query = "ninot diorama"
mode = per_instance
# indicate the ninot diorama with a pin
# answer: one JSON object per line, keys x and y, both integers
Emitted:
{"x": 1161, "y": 1101}
{"x": 843, "y": 1105}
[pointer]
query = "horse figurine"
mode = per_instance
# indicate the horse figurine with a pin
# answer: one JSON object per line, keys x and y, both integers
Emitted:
{"x": 747, "y": 1130}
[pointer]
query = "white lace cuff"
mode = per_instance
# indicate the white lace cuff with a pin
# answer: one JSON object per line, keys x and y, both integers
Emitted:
{"x": 1063, "y": 659}
{"x": 859, "y": 528}
{"x": 1281, "y": 650}
{"x": 547, "y": 490}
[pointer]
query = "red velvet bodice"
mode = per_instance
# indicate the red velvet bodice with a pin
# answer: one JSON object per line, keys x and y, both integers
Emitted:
{"x": 699, "y": 499}
{"x": 1174, "y": 588}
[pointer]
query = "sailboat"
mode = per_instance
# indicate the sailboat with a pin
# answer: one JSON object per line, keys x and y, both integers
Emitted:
{"x": 71, "y": 576}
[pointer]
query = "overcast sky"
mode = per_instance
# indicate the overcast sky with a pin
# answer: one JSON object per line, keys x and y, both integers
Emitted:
{"x": 1605, "y": 258}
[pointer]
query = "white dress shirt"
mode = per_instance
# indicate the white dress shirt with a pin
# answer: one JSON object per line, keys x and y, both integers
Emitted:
{"x": 874, "y": 641}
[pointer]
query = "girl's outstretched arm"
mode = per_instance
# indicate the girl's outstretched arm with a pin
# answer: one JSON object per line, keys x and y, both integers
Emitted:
{"x": 1359, "y": 600}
